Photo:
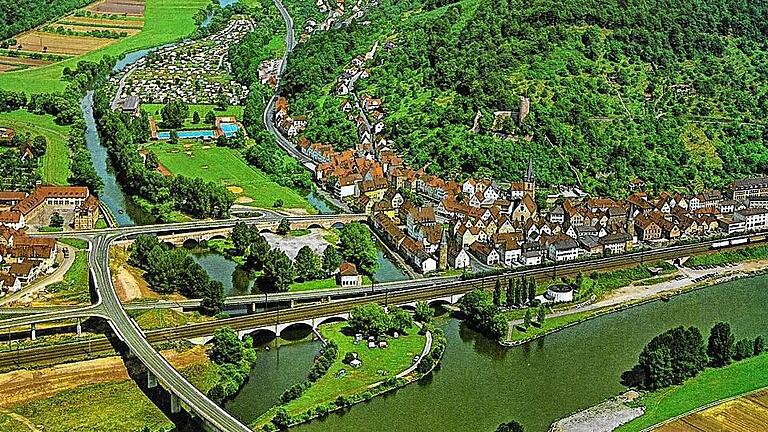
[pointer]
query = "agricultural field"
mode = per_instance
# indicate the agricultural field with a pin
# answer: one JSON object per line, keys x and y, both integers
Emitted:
{"x": 54, "y": 167}
{"x": 69, "y": 36}
{"x": 745, "y": 413}
{"x": 225, "y": 166}
{"x": 164, "y": 21}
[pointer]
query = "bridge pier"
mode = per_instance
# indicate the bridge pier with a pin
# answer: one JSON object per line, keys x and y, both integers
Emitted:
{"x": 34, "y": 332}
{"x": 79, "y": 327}
{"x": 151, "y": 380}
{"x": 175, "y": 404}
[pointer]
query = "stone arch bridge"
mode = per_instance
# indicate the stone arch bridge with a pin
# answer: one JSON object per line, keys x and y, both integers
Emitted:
{"x": 194, "y": 237}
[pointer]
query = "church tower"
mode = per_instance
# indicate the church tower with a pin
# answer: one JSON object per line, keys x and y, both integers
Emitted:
{"x": 442, "y": 262}
{"x": 529, "y": 181}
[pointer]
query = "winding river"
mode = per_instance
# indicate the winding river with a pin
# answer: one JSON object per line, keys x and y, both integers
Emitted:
{"x": 480, "y": 384}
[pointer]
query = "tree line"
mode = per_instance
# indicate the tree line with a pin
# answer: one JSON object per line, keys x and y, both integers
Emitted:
{"x": 235, "y": 359}
{"x": 16, "y": 18}
{"x": 681, "y": 353}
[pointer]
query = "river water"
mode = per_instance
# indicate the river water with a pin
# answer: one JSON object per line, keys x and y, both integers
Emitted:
{"x": 481, "y": 384}
{"x": 126, "y": 213}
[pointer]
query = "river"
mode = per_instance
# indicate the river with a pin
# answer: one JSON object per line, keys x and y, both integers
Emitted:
{"x": 126, "y": 212}
{"x": 481, "y": 384}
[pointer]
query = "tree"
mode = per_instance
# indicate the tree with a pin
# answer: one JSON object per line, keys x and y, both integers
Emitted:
{"x": 497, "y": 293}
{"x": 174, "y": 113}
{"x": 331, "y": 260}
{"x": 308, "y": 264}
{"x": 743, "y": 349}
{"x": 210, "y": 118}
{"x": 242, "y": 236}
{"x": 278, "y": 272}
{"x": 173, "y": 137}
{"x": 720, "y": 346}
{"x": 531, "y": 290}
{"x": 512, "y": 426}
{"x": 399, "y": 320}
{"x": 497, "y": 327}
{"x": 758, "y": 346}
{"x": 370, "y": 319}
{"x": 221, "y": 102}
{"x": 540, "y": 315}
{"x": 39, "y": 145}
{"x": 151, "y": 160}
{"x": 222, "y": 141}
{"x": 284, "y": 227}
{"x": 141, "y": 248}
{"x": 527, "y": 319}
{"x": 57, "y": 220}
{"x": 657, "y": 367}
{"x": 212, "y": 302}
{"x": 358, "y": 247}
{"x": 257, "y": 253}
{"x": 196, "y": 117}
{"x": 510, "y": 293}
{"x": 424, "y": 313}
{"x": 227, "y": 347}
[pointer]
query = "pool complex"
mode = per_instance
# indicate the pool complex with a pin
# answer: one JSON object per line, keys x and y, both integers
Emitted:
{"x": 188, "y": 134}
{"x": 227, "y": 129}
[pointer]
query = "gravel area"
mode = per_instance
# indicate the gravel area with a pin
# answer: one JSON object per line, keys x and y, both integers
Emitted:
{"x": 604, "y": 417}
{"x": 291, "y": 245}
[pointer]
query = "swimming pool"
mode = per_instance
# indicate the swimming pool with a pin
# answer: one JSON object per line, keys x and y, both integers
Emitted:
{"x": 188, "y": 134}
{"x": 229, "y": 129}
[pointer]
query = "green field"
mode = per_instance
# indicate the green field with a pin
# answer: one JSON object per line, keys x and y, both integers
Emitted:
{"x": 54, "y": 167}
{"x": 234, "y": 110}
{"x": 392, "y": 360}
{"x": 164, "y": 21}
{"x": 320, "y": 284}
{"x": 224, "y": 165}
{"x": 710, "y": 386}
{"x": 105, "y": 407}
{"x": 74, "y": 289}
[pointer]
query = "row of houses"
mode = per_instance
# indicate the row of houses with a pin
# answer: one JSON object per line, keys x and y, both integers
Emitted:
{"x": 23, "y": 258}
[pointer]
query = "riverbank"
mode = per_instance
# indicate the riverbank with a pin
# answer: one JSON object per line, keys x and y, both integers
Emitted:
{"x": 405, "y": 359}
{"x": 635, "y": 294}
{"x": 710, "y": 386}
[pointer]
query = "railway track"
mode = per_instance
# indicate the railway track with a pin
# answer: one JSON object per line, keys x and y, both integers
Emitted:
{"x": 91, "y": 347}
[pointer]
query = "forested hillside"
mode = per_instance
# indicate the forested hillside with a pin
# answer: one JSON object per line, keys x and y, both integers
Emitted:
{"x": 17, "y": 16}
{"x": 671, "y": 91}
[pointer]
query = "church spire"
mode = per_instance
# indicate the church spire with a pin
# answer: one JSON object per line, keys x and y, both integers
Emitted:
{"x": 529, "y": 176}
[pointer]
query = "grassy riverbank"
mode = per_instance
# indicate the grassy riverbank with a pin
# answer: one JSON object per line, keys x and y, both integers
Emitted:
{"x": 378, "y": 364}
{"x": 728, "y": 257}
{"x": 710, "y": 386}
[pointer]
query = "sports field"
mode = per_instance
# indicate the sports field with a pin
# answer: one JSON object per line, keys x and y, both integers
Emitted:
{"x": 164, "y": 21}
{"x": 54, "y": 168}
{"x": 224, "y": 165}
{"x": 233, "y": 110}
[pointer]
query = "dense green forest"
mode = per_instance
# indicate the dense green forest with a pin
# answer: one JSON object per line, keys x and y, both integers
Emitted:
{"x": 18, "y": 16}
{"x": 672, "y": 92}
